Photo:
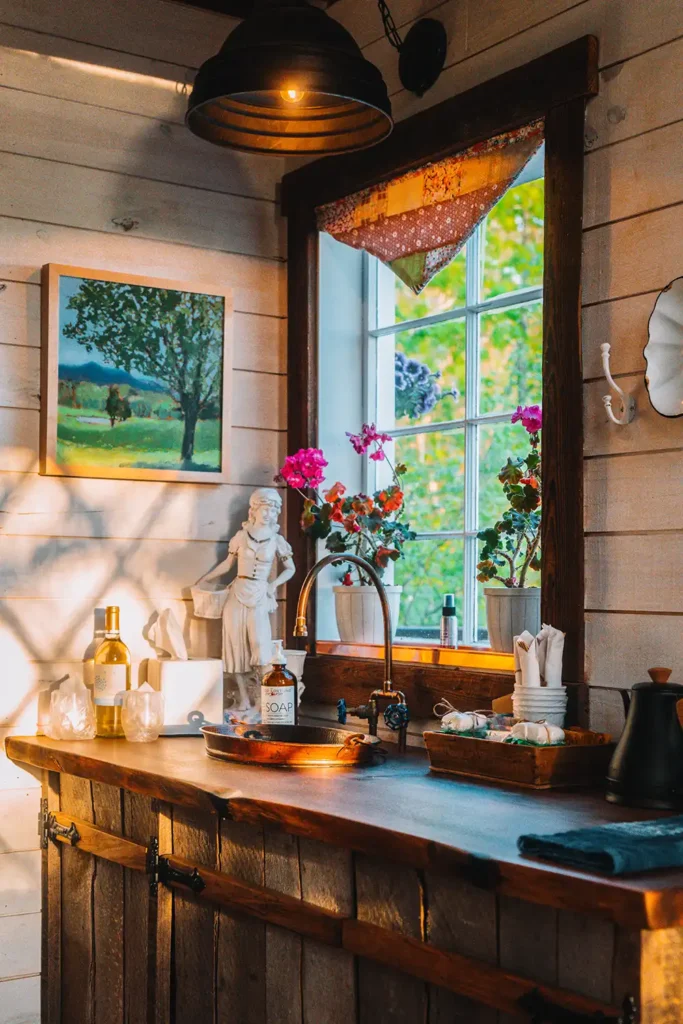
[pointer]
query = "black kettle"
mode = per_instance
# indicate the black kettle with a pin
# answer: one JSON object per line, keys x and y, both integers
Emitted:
{"x": 646, "y": 769}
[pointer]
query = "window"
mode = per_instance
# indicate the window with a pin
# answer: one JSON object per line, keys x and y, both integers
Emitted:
{"x": 325, "y": 364}
{"x": 477, "y": 325}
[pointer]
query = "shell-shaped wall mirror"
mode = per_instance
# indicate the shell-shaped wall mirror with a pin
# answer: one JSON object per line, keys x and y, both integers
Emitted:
{"x": 664, "y": 351}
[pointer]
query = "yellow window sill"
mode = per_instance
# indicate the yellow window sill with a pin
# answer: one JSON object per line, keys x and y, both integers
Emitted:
{"x": 483, "y": 659}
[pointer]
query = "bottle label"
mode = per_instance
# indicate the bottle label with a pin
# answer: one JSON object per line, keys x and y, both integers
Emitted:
{"x": 278, "y": 705}
{"x": 109, "y": 681}
{"x": 449, "y": 631}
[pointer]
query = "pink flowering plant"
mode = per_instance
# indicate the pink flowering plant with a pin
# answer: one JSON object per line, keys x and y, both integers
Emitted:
{"x": 511, "y": 547}
{"x": 367, "y": 525}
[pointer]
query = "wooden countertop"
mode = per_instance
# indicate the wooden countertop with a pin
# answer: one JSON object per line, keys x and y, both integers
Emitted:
{"x": 398, "y": 810}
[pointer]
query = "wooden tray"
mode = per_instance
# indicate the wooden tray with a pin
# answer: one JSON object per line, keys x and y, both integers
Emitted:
{"x": 583, "y": 761}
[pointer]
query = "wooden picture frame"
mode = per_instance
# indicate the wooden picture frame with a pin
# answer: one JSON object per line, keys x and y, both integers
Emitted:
{"x": 99, "y": 371}
{"x": 554, "y": 87}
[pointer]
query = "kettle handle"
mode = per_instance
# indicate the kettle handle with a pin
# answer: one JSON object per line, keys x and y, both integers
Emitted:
{"x": 625, "y": 700}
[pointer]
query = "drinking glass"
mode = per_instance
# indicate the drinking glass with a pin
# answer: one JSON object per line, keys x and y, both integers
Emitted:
{"x": 142, "y": 715}
{"x": 72, "y": 715}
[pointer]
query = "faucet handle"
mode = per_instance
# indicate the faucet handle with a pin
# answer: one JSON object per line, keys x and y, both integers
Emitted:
{"x": 396, "y": 716}
{"x": 362, "y": 711}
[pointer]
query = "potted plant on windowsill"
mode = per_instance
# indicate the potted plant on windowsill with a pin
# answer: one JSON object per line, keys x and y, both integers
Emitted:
{"x": 367, "y": 525}
{"x": 512, "y": 547}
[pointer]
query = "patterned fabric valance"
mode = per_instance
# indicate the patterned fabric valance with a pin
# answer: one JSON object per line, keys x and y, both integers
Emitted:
{"x": 417, "y": 223}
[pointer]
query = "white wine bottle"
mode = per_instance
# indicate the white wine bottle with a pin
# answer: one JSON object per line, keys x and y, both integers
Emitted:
{"x": 279, "y": 692}
{"x": 111, "y": 675}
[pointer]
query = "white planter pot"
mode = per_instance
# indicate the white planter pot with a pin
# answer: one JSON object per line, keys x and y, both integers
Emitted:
{"x": 359, "y": 613}
{"x": 509, "y": 611}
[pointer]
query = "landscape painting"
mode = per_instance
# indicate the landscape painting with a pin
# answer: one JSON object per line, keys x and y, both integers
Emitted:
{"x": 136, "y": 375}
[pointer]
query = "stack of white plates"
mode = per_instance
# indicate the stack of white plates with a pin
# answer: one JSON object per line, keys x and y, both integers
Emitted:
{"x": 540, "y": 704}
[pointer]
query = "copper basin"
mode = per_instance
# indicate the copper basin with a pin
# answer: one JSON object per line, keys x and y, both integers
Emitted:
{"x": 293, "y": 746}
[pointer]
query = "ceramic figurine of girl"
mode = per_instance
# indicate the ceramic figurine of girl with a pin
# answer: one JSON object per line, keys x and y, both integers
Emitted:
{"x": 246, "y": 602}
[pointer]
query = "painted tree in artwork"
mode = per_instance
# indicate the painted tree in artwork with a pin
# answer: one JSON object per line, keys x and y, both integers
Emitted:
{"x": 116, "y": 407}
{"x": 171, "y": 336}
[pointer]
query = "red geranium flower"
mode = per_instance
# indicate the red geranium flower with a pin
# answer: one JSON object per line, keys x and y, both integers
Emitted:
{"x": 391, "y": 499}
{"x": 304, "y": 469}
{"x": 531, "y": 417}
{"x": 369, "y": 435}
{"x": 363, "y": 505}
{"x": 350, "y": 524}
{"x": 335, "y": 492}
{"x": 336, "y": 515}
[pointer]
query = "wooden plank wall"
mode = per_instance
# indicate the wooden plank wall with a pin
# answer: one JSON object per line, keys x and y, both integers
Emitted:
{"x": 97, "y": 169}
{"x": 633, "y": 220}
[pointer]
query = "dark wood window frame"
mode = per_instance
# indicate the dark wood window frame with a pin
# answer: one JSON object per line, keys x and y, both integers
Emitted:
{"x": 554, "y": 87}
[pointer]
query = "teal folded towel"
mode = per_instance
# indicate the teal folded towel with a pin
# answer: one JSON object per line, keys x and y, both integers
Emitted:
{"x": 625, "y": 848}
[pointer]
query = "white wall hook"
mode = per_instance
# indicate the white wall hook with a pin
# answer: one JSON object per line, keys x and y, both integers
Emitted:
{"x": 628, "y": 402}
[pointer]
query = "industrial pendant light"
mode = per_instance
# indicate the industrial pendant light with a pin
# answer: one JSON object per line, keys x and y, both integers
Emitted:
{"x": 290, "y": 80}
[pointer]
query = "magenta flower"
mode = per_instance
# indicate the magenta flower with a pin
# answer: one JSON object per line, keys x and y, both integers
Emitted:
{"x": 369, "y": 435}
{"x": 304, "y": 469}
{"x": 531, "y": 417}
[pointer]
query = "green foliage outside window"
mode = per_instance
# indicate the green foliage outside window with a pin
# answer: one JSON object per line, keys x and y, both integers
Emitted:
{"x": 510, "y": 375}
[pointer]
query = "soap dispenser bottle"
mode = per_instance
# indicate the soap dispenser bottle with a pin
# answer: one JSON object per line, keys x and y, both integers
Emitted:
{"x": 279, "y": 697}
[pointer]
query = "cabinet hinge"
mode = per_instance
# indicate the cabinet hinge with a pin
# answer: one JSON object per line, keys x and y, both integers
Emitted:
{"x": 50, "y": 828}
{"x": 543, "y": 1011}
{"x": 152, "y": 865}
{"x": 160, "y": 870}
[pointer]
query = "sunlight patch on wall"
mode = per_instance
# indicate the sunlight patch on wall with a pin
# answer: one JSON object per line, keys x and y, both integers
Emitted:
{"x": 119, "y": 74}
{"x": 103, "y": 71}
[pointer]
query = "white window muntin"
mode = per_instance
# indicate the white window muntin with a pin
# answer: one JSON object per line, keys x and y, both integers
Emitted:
{"x": 380, "y": 290}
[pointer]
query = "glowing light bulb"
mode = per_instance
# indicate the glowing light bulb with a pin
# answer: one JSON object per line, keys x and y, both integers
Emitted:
{"x": 292, "y": 95}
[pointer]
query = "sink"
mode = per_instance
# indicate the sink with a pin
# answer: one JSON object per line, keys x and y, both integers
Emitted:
{"x": 293, "y": 746}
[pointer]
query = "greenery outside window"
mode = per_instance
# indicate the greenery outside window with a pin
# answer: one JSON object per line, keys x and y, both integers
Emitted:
{"x": 478, "y": 325}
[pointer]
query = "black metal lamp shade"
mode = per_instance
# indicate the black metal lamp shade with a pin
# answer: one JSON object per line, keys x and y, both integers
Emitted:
{"x": 290, "y": 80}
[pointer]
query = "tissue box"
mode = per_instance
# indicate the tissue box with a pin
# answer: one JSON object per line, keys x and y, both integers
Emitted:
{"x": 193, "y": 693}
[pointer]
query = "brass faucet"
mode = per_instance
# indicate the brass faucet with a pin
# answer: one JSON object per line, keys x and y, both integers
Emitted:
{"x": 396, "y": 713}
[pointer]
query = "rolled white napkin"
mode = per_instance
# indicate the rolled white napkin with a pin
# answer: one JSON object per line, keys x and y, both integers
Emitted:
{"x": 550, "y": 647}
{"x": 527, "y": 653}
{"x": 526, "y": 638}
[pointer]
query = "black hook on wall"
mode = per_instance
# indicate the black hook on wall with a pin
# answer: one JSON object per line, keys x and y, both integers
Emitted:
{"x": 421, "y": 55}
